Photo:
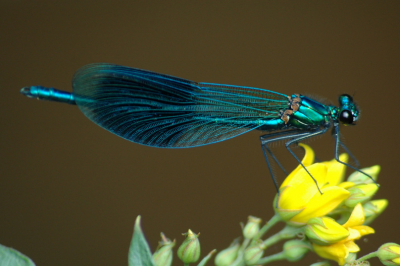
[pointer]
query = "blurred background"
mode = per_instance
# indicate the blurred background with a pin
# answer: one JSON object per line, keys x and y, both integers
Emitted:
{"x": 70, "y": 191}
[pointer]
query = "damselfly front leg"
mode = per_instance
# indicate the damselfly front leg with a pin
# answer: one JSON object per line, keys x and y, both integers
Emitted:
{"x": 337, "y": 143}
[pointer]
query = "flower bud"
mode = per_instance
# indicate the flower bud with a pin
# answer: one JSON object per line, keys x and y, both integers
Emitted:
{"x": 254, "y": 252}
{"x": 227, "y": 256}
{"x": 163, "y": 254}
{"x": 389, "y": 254}
{"x": 295, "y": 250}
{"x": 373, "y": 209}
{"x": 325, "y": 231}
{"x": 360, "y": 178}
{"x": 252, "y": 227}
{"x": 189, "y": 251}
{"x": 360, "y": 193}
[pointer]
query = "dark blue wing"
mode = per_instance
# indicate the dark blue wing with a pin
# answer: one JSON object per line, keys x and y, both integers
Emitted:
{"x": 165, "y": 111}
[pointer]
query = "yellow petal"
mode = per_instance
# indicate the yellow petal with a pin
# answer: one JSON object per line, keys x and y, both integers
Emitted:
{"x": 302, "y": 188}
{"x": 397, "y": 261}
{"x": 320, "y": 205}
{"x": 329, "y": 163}
{"x": 308, "y": 160}
{"x": 380, "y": 204}
{"x": 357, "y": 217}
{"x": 346, "y": 185}
{"x": 336, "y": 170}
{"x": 354, "y": 234}
{"x": 395, "y": 249}
{"x": 373, "y": 209}
{"x": 352, "y": 247}
{"x": 364, "y": 230}
{"x": 343, "y": 157}
{"x": 325, "y": 231}
{"x": 337, "y": 252}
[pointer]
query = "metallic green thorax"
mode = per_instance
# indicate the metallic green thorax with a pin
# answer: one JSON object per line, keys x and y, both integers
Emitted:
{"x": 308, "y": 114}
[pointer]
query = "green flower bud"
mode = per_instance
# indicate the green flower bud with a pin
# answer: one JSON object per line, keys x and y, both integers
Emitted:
{"x": 252, "y": 227}
{"x": 163, "y": 254}
{"x": 373, "y": 209}
{"x": 254, "y": 252}
{"x": 360, "y": 193}
{"x": 321, "y": 263}
{"x": 227, "y": 256}
{"x": 189, "y": 251}
{"x": 325, "y": 231}
{"x": 389, "y": 254}
{"x": 359, "y": 178}
{"x": 295, "y": 249}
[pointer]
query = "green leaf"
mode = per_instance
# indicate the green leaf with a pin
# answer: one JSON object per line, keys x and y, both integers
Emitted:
{"x": 12, "y": 257}
{"x": 139, "y": 251}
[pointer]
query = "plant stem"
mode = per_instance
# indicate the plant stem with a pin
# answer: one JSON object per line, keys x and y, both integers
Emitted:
{"x": 368, "y": 256}
{"x": 206, "y": 258}
{"x": 271, "y": 258}
{"x": 285, "y": 233}
{"x": 274, "y": 220}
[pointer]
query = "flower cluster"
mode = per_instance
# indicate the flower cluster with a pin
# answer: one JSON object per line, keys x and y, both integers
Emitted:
{"x": 337, "y": 214}
{"x": 323, "y": 213}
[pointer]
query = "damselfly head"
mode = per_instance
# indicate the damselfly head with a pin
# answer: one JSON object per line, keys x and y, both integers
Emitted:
{"x": 348, "y": 111}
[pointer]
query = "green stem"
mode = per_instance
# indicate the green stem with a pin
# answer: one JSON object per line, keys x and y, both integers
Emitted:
{"x": 206, "y": 258}
{"x": 271, "y": 258}
{"x": 368, "y": 256}
{"x": 285, "y": 233}
{"x": 274, "y": 220}
{"x": 244, "y": 245}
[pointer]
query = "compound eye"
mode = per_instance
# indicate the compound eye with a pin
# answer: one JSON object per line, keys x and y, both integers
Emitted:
{"x": 346, "y": 117}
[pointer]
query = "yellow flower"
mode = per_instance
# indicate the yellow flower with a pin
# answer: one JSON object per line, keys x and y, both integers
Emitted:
{"x": 340, "y": 250}
{"x": 299, "y": 198}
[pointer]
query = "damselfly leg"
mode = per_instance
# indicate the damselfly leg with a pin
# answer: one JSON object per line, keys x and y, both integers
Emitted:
{"x": 292, "y": 136}
{"x": 299, "y": 138}
{"x": 337, "y": 143}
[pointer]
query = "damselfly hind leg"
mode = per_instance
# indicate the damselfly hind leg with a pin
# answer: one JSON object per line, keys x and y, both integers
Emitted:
{"x": 268, "y": 139}
{"x": 264, "y": 149}
{"x": 337, "y": 143}
{"x": 300, "y": 137}
{"x": 293, "y": 136}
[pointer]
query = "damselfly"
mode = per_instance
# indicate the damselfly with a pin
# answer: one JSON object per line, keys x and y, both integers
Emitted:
{"x": 168, "y": 112}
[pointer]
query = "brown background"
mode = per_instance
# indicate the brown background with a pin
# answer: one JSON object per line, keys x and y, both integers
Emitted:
{"x": 70, "y": 191}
